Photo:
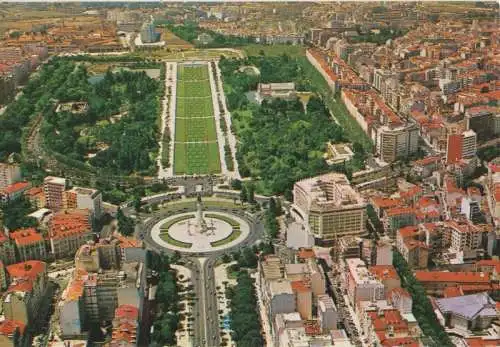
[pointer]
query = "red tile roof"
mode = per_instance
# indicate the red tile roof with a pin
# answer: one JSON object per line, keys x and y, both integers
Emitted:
{"x": 15, "y": 187}
{"x": 384, "y": 272}
{"x": 454, "y": 277}
{"x": 400, "y": 342}
{"x": 489, "y": 263}
{"x": 427, "y": 161}
{"x": 300, "y": 286}
{"x": 480, "y": 342}
{"x": 305, "y": 253}
{"x": 450, "y": 292}
{"x": 408, "y": 231}
{"x": 398, "y": 211}
{"x": 412, "y": 244}
{"x": 69, "y": 223}
{"x": 8, "y": 327}
{"x": 398, "y": 291}
{"x": 129, "y": 312}
{"x": 386, "y": 202}
{"x": 454, "y": 148}
{"x": 23, "y": 237}
{"x": 28, "y": 269}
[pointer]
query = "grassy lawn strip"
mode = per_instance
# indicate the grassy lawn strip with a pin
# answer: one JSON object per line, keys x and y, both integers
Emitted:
{"x": 228, "y": 220}
{"x": 166, "y": 237}
{"x": 231, "y": 237}
{"x": 351, "y": 127}
{"x": 171, "y": 222}
{"x": 194, "y": 101}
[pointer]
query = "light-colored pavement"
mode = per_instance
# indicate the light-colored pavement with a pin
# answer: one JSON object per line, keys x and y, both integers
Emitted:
{"x": 168, "y": 117}
{"x": 220, "y": 136}
{"x": 201, "y": 243}
{"x": 227, "y": 117}
{"x": 183, "y": 338}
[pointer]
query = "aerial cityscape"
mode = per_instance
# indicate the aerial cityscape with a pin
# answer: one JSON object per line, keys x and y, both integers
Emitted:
{"x": 278, "y": 174}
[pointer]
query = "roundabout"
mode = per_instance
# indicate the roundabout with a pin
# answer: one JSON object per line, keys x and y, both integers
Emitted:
{"x": 200, "y": 231}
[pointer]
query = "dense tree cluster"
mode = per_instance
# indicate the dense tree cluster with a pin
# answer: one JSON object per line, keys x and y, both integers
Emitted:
{"x": 271, "y": 224}
{"x": 422, "y": 307}
{"x": 35, "y": 98}
{"x": 278, "y": 145}
{"x": 122, "y": 145}
{"x": 15, "y": 214}
{"x": 190, "y": 32}
{"x": 244, "y": 312}
{"x": 378, "y": 37}
{"x": 126, "y": 225}
{"x": 167, "y": 298}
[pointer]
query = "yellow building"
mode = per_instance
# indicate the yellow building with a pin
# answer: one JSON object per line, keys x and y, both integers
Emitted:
{"x": 24, "y": 296}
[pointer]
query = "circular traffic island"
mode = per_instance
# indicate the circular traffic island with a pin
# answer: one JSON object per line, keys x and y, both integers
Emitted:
{"x": 200, "y": 232}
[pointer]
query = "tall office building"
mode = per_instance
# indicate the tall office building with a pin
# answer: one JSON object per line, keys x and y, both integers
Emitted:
{"x": 330, "y": 206}
{"x": 9, "y": 173}
{"x": 53, "y": 188}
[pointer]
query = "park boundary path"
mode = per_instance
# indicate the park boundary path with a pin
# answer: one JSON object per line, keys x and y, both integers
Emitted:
{"x": 220, "y": 135}
{"x": 227, "y": 116}
{"x": 168, "y": 117}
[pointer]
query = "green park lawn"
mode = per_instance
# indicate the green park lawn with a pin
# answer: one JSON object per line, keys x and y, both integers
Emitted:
{"x": 196, "y": 158}
{"x": 196, "y": 149}
{"x": 166, "y": 237}
{"x": 231, "y": 237}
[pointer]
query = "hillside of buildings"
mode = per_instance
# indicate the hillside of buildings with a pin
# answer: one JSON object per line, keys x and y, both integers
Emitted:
{"x": 357, "y": 201}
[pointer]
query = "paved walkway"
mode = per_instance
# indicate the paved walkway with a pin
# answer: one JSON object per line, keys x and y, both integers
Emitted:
{"x": 168, "y": 117}
{"x": 220, "y": 136}
{"x": 183, "y": 338}
{"x": 227, "y": 116}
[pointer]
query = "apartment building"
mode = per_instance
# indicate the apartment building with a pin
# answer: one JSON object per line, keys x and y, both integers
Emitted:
{"x": 7, "y": 249}
{"x": 9, "y": 174}
{"x": 13, "y": 191}
{"x": 389, "y": 328}
{"x": 412, "y": 248}
{"x": 401, "y": 300}
{"x": 464, "y": 236}
{"x": 327, "y": 313}
{"x": 72, "y": 310}
{"x": 303, "y": 298}
{"x": 30, "y": 244}
{"x": 398, "y": 142}
{"x": 436, "y": 281}
{"x": 461, "y": 146}
{"x": 84, "y": 198}
{"x": 125, "y": 326}
{"x": 308, "y": 271}
{"x": 68, "y": 230}
{"x": 330, "y": 206}
{"x": 361, "y": 284}
{"x": 11, "y": 333}
{"x": 53, "y": 188}
{"x": 387, "y": 275}
{"x": 36, "y": 197}
{"x": 26, "y": 292}
{"x": 483, "y": 121}
{"x": 279, "y": 298}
